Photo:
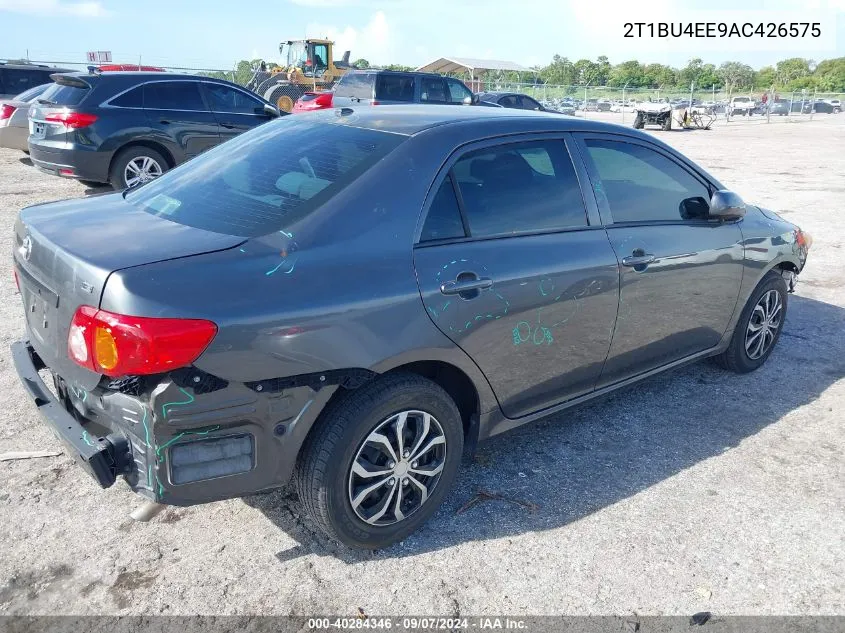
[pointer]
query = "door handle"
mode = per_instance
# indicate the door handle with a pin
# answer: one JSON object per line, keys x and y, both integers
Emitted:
{"x": 227, "y": 126}
{"x": 164, "y": 121}
{"x": 468, "y": 285}
{"x": 638, "y": 260}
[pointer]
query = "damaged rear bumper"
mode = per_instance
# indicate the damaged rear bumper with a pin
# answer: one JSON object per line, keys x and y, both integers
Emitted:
{"x": 101, "y": 457}
{"x": 181, "y": 438}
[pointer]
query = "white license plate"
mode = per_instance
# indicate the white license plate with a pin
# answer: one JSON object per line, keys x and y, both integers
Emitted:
{"x": 37, "y": 129}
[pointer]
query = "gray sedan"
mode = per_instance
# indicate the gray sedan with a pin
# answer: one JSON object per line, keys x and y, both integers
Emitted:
{"x": 353, "y": 298}
{"x": 14, "y": 125}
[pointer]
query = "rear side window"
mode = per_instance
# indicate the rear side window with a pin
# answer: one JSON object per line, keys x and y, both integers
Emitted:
{"x": 265, "y": 179}
{"x": 64, "y": 95}
{"x": 394, "y": 87}
{"x": 444, "y": 217}
{"x": 132, "y": 99}
{"x": 433, "y": 90}
{"x": 520, "y": 188}
{"x": 643, "y": 185}
{"x": 355, "y": 86}
{"x": 173, "y": 95}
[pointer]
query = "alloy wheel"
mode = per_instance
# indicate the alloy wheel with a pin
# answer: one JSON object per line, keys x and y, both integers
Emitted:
{"x": 140, "y": 170}
{"x": 763, "y": 325}
{"x": 397, "y": 467}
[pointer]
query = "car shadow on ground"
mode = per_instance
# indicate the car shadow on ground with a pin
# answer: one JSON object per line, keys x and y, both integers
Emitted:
{"x": 556, "y": 471}
{"x": 26, "y": 160}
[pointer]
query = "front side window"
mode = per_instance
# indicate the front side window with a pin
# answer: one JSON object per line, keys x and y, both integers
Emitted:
{"x": 643, "y": 185}
{"x": 394, "y": 87}
{"x": 520, "y": 188}
{"x": 458, "y": 92}
{"x": 266, "y": 179}
{"x": 173, "y": 95}
{"x": 529, "y": 104}
{"x": 509, "y": 101}
{"x": 433, "y": 90}
{"x": 225, "y": 99}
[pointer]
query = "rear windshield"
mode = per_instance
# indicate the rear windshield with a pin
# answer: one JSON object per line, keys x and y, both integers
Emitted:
{"x": 60, "y": 94}
{"x": 266, "y": 179}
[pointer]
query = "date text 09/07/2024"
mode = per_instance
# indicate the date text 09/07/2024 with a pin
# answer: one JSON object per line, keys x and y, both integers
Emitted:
{"x": 721, "y": 29}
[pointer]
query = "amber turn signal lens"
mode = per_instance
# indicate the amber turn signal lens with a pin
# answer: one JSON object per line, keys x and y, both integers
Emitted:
{"x": 105, "y": 349}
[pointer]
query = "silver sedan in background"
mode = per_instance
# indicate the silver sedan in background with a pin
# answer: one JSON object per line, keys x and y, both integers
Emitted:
{"x": 14, "y": 126}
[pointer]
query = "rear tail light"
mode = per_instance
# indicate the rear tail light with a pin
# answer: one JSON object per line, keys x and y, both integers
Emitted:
{"x": 6, "y": 111}
{"x": 71, "y": 120}
{"x": 119, "y": 345}
{"x": 375, "y": 102}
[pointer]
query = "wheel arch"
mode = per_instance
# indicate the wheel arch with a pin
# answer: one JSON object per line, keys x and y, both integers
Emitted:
{"x": 153, "y": 145}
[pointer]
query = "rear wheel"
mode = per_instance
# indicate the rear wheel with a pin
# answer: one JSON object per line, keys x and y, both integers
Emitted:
{"x": 135, "y": 166}
{"x": 759, "y": 326}
{"x": 381, "y": 461}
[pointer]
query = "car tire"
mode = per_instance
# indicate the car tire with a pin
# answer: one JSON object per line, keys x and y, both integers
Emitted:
{"x": 737, "y": 357}
{"x": 137, "y": 155}
{"x": 329, "y": 484}
{"x": 638, "y": 122}
{"x": 667, "y": 123}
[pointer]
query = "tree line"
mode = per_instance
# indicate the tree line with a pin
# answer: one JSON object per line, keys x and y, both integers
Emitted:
{"x": 795, "y": 73}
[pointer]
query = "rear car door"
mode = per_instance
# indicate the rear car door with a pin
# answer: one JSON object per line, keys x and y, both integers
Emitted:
{"x": 515, "y": 268}
{"x": 176, "y": 110}
{"x": 680, "y": 271}
{"x": 235, "y": 110}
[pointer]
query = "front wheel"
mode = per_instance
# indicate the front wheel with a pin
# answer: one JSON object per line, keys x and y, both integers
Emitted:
{"x": 759, "y": 326}
{"x": 381, "y": 461}
{"x": 638, "y": 122}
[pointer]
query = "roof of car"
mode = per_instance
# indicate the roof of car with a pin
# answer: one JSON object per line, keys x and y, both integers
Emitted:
{"x": 498, "y": 93}
{"x": 151, "y": 74}
{"x": 413, "y": 119}
{"x": 362, "y": 71}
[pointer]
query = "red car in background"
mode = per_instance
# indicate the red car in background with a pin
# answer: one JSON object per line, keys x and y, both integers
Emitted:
{"x": 313, "y": 101}
{"x": 119, "y": 67}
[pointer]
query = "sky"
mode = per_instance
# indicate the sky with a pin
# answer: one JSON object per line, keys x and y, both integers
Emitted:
{"x": 215, "y": 34}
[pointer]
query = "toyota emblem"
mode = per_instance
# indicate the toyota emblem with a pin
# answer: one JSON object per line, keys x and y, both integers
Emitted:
{"x": 26, "y": 247}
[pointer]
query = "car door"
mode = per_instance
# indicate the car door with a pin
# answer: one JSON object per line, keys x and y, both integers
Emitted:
{"x": 680, "y": 271}
{"x": 515, "y": 268}
{"x": 234, "y": 110}
{"x": 177, "y": 111}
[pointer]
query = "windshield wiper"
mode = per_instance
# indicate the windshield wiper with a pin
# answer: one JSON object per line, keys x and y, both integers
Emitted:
{"x": 47, "y": 102}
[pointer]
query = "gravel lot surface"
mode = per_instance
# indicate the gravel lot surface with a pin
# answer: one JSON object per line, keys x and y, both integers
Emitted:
{"x": 697, "y": 490}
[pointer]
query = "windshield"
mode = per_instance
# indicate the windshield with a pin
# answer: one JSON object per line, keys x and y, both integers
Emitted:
{"x": 266, "y": 179}
{"x": 294, "y": 54}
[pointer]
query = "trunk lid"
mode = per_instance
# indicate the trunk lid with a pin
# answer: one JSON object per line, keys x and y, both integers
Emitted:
{"x": 65, "y": 251}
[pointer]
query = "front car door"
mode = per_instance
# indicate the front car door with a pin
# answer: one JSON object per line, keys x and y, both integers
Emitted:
{"x": 680, "y": 271}
{"x": 527, "y": 103}
{"x": 177, "y": 111}
{"x": 234, "y": 110}
{"x": 514, "y": 266}
{"x": 433, "y": 90}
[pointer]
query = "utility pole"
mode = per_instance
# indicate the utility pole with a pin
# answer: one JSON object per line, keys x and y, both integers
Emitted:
{"x": 623, "y": 100}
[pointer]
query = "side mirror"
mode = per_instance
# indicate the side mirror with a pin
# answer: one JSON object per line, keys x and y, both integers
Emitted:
{"x": 468, "y": 100}
{"x": 474, "y": 99}
{"x": 269, "y": 110}
{"x": 726, "y": 205}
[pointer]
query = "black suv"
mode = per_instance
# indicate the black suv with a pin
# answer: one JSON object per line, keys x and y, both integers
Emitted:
{"x": 18, "y": 77}
{"x": 385, "y": 87}
{"x": 125, "y": 128}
